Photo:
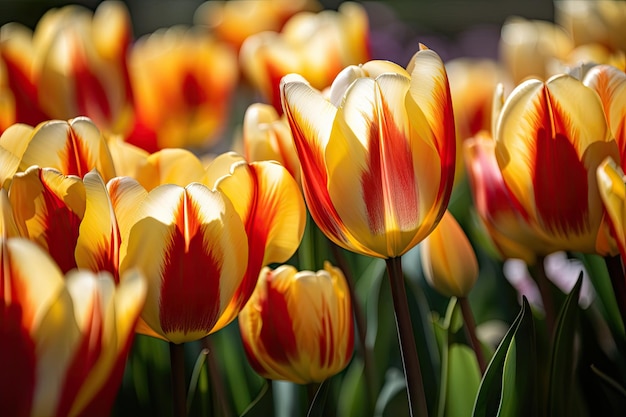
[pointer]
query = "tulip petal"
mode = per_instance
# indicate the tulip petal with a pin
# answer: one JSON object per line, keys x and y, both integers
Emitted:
{"x": 271, "y": 207}
{"x": 310, "y": 117}
{"x": 170, "y": 166}
{"x": 613, "y": 194}
{"x": 192, "y": 247}
{"x": 98, "y": 244}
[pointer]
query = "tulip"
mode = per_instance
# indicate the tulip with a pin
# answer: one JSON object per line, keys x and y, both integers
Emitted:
{"x": 378, "y": 158}
{"x": 270, "y": 205}
{"x": 63, "y": 340}
{"x": 191, "y": 245}
{"x": 315, "y": 45}
{"x": 611, "y": 182}
{"x": 73, "y": 64}
{"x": 549, "y": 134}
{"x": 266, "y": 137}
{"x": 183, "y": 80}
{"x": 169, "y": 166}
{"x": 298, "y": 325}
{"x": 234, "y": 21}
{"x": 448, "y": 259}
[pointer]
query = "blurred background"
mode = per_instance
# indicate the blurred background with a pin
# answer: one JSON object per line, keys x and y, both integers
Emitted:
{"x": 453, "y": 28}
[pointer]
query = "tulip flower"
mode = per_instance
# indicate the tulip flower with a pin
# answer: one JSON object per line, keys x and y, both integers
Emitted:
{"x": 234, "y": 21}
{"x": 183, "y": 80}
{"x": 169, "y": 166}
{"x": 266, "y": 137}
{"x": 191, "y": 245}
{"x": 298, "y": 324}
{"x": 611, "y": 181}
{"x": 544, "y": 137}
{"x": 378, "y": 158}
{"x": 74, "y": 64}
{"x": 271, "y": 207}
{"x": 448, "y": 259}
{"x": 63, "y": 340}
{"x": 315, "y": 45}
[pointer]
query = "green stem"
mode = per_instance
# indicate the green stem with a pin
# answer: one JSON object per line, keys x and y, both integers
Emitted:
{"x": 221, "y": 405}
{"x": 546, "y": 294}
{"x": 470, "y": 329}
{"x": 618, "y": 282}
{"x": 361, "y": 326}
{"x": 406, "y": 339}
{"x": 179, "y": 389}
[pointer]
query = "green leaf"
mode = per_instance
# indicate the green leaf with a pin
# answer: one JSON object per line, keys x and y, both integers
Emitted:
{"x": 563, "y": 360}
{"x": 507, "y": 387}
{"x": 463, "y": 381}
{"x": 351, "y": 401}
{"x": 199, "y": 382}
{"x": 392, "y": 400}
{"x": 262, "y": 405}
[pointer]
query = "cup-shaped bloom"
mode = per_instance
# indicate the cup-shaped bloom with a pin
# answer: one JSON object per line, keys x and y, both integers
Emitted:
{"x": 63, "y": 340}
{"x": 448, "y": 259}
{"x": 182, "y": 81}
{"x": 298, "y": 325}
{"x": 271, "y": 207}
{"x": 528, "y": 48}
{"x": 316, "y": 45}
{"x": 548, "y": 135}
{"x": 73, "y": 147}
{"x": 378, "y": 158}
{"x": 76, "y": 63}
{"x": 191, "y": 245}
{"x": 267, "y": 137}
{"x": 610, "y": 84}
{"x": 233, "y": 21}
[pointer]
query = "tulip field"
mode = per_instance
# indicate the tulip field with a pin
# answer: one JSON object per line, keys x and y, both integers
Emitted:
{"x": 306, "y": 208}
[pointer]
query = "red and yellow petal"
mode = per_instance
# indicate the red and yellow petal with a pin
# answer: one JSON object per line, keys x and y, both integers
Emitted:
{"x": 191, "y": 245}
{"x": 99, "y": 239}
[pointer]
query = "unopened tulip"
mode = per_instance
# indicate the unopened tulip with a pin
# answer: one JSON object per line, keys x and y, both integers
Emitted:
{"x": 63, "y": 340}
{"x": 298, "y": 325}
{"x": 191, "y": 245}
{"x": 267, "y": 137}
{"x": 448, "y": 259}
{"x": 378, "y": 158}
{"x": 315, "y": 45}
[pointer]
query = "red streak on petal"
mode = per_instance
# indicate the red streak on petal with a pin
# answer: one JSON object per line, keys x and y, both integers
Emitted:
{"x": 193, "y": 93}
{"x": 277, "y": 332}
{"x": 87, "y": 354}
{"x": 17, "y": 361}
{"x": 24, "y": 91}
{"x": 390, "y": 179}
{"x": 314, "y": 180}
{"x": 91, "y": 97}
{"x": 106, "y": 255}
{"x": 274, "y": 75}
{"x": 327, "y": 340}
{"x": 190, "y": 287}
{"x": 78, "y": 156}
{"x": 560, "y": 178}
{"x": 62, "y": 228}
{"x": 143, "y": 135}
